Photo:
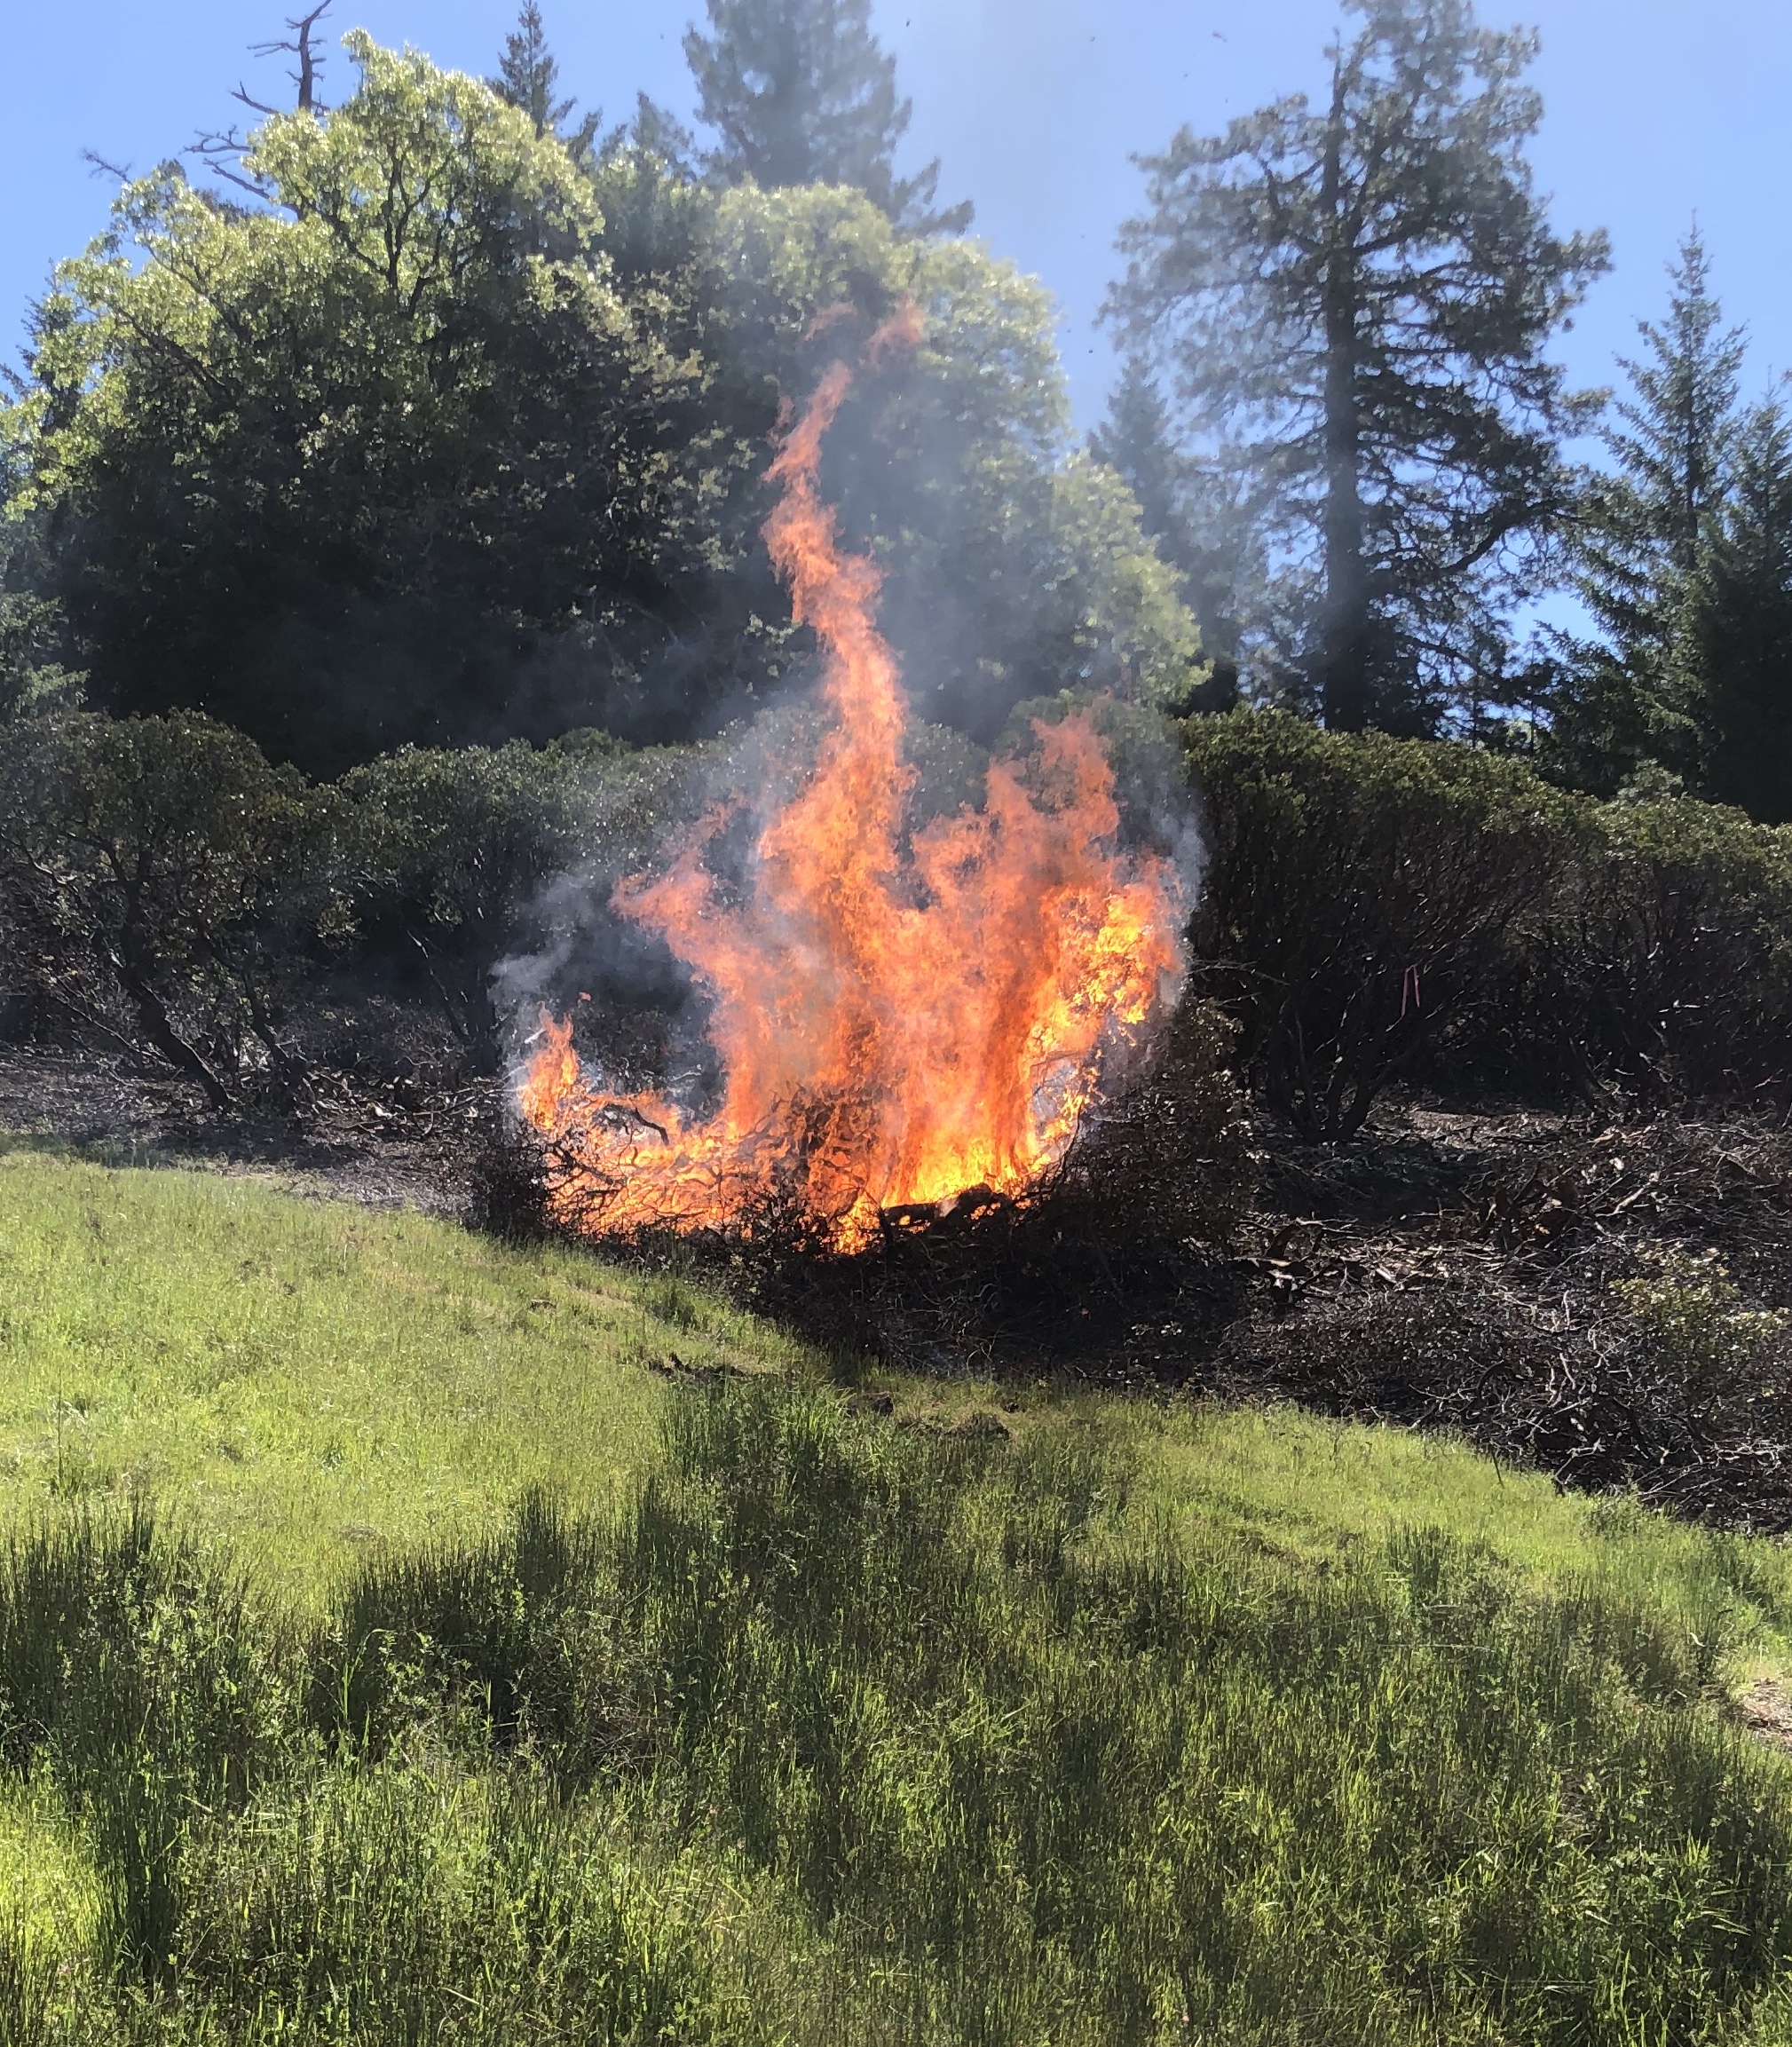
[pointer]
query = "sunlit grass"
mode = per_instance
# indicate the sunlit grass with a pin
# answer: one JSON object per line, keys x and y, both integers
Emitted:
{"x": 305, "y": 1377}
{"x": 49, "y": 1888}
{"x": 1021, "y": 1716}
{"x": 309, "y": 1377}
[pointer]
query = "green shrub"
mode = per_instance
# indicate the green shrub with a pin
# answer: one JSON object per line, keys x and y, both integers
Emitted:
{"x": 160, "y": 884}
{"x": 1377, "y": 908}
{"x": 1680, "y": 940}
{"x": 163, "y": 888}
{"x": 448, "y": 850}
{"x": 1365, "y": 901}
{"x": 1691, "y": 1315}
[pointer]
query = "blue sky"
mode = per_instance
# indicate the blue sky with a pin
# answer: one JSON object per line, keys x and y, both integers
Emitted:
{"x": 1657, "y": 109}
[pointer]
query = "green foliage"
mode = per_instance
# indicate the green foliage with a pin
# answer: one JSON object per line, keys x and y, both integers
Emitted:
{"x": 1639, "y": 691}
{"x": 1743, "y": 617}
{"x": 1364, "y": 900}
{"x": 800, "y": 92}
{"x": 161, "y": 885}
{"x": 1684, "y": 571}
{"x": 1674, "y": 965}
{"x": 1376, "y": 907}
{"x": 1353, "y": 301}
{"x": 528, "y": 79}
{"x": 342, "y": 439}
{"x": 32, "y": 682}
{"x": 1184, "y": 507}
{"x": 1690, "y": 1312}
{"x": 159, "y": 880}
{"x": 1006, "y": 572}
{"x": 843, "y": 1730}
{"x": 489, "y": 461}
{"x": 448, "y": 850}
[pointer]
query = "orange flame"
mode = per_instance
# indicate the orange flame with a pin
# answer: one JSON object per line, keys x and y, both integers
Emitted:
{"x": 899, "y": 1018}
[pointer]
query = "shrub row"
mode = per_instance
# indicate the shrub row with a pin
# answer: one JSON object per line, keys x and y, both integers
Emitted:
{"x": 164, "y": 887}
{"x": 1377, "y": 908}
{"x": 1372, "y": 908}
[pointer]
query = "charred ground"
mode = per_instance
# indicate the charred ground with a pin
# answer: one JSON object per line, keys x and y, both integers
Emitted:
{"x": 1598, "y": 1294}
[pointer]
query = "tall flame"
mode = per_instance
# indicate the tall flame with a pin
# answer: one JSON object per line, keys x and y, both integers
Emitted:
{"x": 900, "y": 1017}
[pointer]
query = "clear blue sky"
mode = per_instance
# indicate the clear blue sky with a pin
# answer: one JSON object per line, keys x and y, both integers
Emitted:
{"x": 1657, "y": 109}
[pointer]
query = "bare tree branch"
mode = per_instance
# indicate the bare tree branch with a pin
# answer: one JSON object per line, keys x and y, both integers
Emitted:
{"x": 298, "y": 44}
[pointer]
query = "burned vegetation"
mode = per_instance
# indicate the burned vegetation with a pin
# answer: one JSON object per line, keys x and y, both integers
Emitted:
{"x": 1560, "y": 1227}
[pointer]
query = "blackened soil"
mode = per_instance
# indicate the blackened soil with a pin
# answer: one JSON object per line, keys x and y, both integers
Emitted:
{"x": 1453, "y": 1268}
{"x": 1475, "y": 1272}
{"x": 392, "y": 1130}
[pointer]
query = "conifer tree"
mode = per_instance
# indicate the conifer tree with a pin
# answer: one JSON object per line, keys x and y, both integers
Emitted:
{"x": 1637, "y": 689}
{"x": 1200, "y": 530}
{"x": 1743, "y": 621}
{"x": 1354, "y": 300}
{"x": 800, "y": 92}
{"x": 528, "y": 75}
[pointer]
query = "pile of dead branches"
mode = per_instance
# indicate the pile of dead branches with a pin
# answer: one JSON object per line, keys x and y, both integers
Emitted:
{"x": 1603, "y": 1304}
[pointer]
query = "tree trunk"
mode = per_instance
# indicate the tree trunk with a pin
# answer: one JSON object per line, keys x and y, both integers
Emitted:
{"x": 158, "y": 1027}
{"x": 133, "y": 961}
{"x": 1344, "y": 650}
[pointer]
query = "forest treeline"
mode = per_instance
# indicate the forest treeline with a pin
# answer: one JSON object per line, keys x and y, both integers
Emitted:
{"x": 440, "y": 414}
{"x": 381, "y": 535}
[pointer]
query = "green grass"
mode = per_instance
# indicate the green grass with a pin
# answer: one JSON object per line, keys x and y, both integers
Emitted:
{"x": 765, "y": 1720}
{"x": 309, "y": 1378}
{"x": 305, "y": 1377}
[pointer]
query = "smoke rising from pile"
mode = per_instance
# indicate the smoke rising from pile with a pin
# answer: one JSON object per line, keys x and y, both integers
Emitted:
{"x": 900, "y": 1015}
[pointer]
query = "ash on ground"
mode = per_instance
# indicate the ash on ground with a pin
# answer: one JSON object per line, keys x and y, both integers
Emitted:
{"x": 393, "y": 1116}
{"x": 1606, "y": 1298}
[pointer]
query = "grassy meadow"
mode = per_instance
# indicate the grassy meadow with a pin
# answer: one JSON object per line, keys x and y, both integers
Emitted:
{"x": 303, "y": 1377}
{"x": 391, "y": 1650}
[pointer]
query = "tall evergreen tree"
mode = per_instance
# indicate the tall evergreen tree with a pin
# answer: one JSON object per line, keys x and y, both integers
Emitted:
{"x": 1197, "y": 524}
{"x": 528, "y": 76}
{"x": 1637, "y": 689}
{"x": 1742, "y": 619}
{"x": 800, "y": 92}
{"x": 1355, "y": 301}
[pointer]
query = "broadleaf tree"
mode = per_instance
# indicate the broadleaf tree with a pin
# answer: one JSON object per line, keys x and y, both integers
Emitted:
{"x": 320, "y": 467}
{"x": 493, "y": 464}
{"x": 801, "y": 93}
{"x": 1352, "y": 302}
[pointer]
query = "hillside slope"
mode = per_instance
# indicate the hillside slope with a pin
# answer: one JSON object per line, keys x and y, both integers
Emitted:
{"x": 306, "y": 1376}
{"x": 493, "y": 1671}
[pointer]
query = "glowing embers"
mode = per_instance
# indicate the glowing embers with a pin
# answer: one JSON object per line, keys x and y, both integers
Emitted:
{"x": 899, "y": 1017}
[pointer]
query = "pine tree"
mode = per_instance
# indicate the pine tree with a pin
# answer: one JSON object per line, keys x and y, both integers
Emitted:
{"x": 655, "y": 132}
{"x": 1741, "y": 617}
{"x": 527, "y": 76}
{"x": 800, "y": 92}
{"x": 1355, "y": 301}
{"x": 1637, "y": 690}
{"x": 1199, "y": 528}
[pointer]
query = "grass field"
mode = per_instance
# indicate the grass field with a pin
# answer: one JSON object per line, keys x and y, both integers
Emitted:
{"x": 390, "y": 1652}
{"x": 305, "y": 1377}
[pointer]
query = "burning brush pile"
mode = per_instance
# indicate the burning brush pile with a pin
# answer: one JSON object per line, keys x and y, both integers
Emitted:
{"x": 942, "y": 1047}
